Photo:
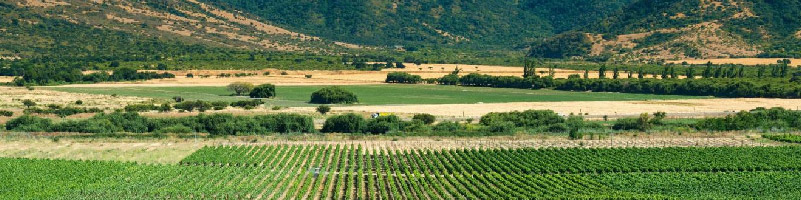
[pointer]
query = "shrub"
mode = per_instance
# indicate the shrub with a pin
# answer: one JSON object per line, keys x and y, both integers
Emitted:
{"x": 190, "y": 75}
{"x": 165, "y": 107}
{"x": 642, "y": 123}
{"x": 347, "y": 123}
{"x": 140, "y": 107}
{"x": 78, "y": 102}
{"x": 308, "y": 76}
{"x": 284, "y": 73}
{"x": 447, "y": 127}
{"x": 240, "y": 88}
{"x": 6, "y": 113}
{"x": 178, "y": 99}
{"x": 29, "y": 123}
{"x": 501, "y": 127}
{"x": 263, "y": 91}
{"x": 383, "y": 124}
{"x": 558, "y": 128}
{"x": 189, "y": 106}
{"x": 219, "y": 105}
{"x": 247, "y": 103}
{"x": 323, "y": 109}
{"x": 267, "y": 73}
{"x": 333, "y": 95}
{"x": 425, "y": 118}
{"x": 528, "y": 119}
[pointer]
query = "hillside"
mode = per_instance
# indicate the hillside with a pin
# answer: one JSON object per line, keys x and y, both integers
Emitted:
{"x": 675, "y": 29}
{"x": 503, "y": 23}
{"x": 135, "y": 30}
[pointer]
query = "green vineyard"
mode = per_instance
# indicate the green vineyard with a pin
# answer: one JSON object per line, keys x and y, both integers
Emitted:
{"x": 353, "y": 172}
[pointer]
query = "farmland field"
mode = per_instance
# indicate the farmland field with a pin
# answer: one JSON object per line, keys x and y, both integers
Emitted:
{"x": 379, "y": 94}
{"x": 352, "y": 172}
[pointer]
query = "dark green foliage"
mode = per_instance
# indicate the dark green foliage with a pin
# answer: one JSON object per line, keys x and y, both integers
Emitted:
{"x": 415, "y": 23}
{"x": 333, "y": 95}
{"x": 190, "y": 106}
{"x": 565, "y": 45}
{"x": 216, "y": 124}
{"x": 220, "y": 105}
{"x": 528, "y": 119}
{"x": 6, "y": 113}
{"x": 383, "y": 124}
{"x": 323, "y": 109}
{"x": 425, "y": 118}
{"x": 28, "y": 103}
{"x": 774, "y": 119}
{"x": 403, "y": 77}
{"x": 655, "y": 39}
{"x": 247, "y": 103}
{"x": 263, "y": 91}
{"x": 347, "y": 123}
{"x": 769, "y": 88}
{"x": 450, "y": 79}
{"x": 29, "y": 123}
{"x": 534, "y": 82}
{"x": 62, "y": 111}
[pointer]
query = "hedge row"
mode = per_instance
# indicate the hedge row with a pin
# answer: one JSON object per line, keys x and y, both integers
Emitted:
{"x": 215, "y": 124}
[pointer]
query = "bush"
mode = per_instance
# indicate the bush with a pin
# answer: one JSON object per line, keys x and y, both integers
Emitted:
{"x": 29, "y": 123}
{"x": 189, "y": 106}
{"x": 347, "y": 123}
{"x": 284, "y": 73}
{"x": 140, "y": 108}
{"x": 247, "y": 103}
{"x": 6, "y": 113}
{"x": 263, "y": 91}
{"x": 219, "y": 105}
{"x": 528, "y": 119}
{"x": 178, "y": 99}
{"x": 383, "y": 124}
{"x": 323, "y": 109}
{"x": 501, "y": 127}
{"x": 558, "y": 128}
{"x": 78, "y": 102}
{"x": 308, "y": 76}
{"x": 240, "y": 88}
{"x": 333, "y": 95}
{"x": 425, "y": 118}
{"x": 267, "y": 73}
{"x": 165, "y": 107}
{"x": 447, "y": 127}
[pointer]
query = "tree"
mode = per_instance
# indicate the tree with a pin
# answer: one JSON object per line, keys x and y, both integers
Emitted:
{"x": 240, "y": 87}
{"x": 389, "y": 65}
{"x": 602, "y": 72}
{"x": 161, "y": 66}
{"x": 586, "y": 74}
{"x": 400, "y": 65}
{"x": 323, "y": 109}
{"x": 616, "y": 74}
{"x": 28, "y": 103}
{"x": 640, "y": 74}
{"x": 425, "y": 118}
{"x": 333, "y": 95}
{"x": 263, "y": 91}
{"x": 114, "y": 64}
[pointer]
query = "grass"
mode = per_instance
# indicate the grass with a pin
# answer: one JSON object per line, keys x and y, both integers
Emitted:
{"x": 380, "y": 94}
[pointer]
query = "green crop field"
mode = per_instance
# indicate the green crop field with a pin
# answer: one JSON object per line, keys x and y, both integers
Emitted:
{"x": 352, "y": 172}
{"x": 380, "y": 94}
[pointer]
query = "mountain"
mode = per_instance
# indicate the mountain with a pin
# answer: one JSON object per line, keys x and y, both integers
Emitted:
{"x": 105, "y": 30}
{"x": 152, "y": 30}
{"x": 674, "y": 29}
{"x": 429, "y": 22}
